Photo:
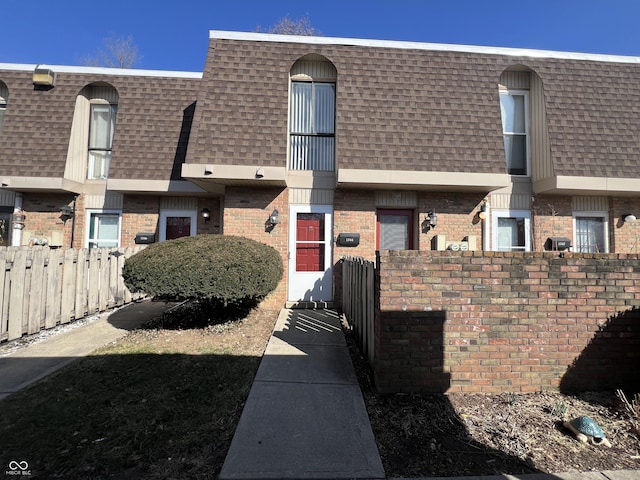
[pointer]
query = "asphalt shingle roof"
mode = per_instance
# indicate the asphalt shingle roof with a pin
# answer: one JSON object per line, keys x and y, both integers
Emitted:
{"x": 397, "y": 108}
{"x": 150, "y": 121}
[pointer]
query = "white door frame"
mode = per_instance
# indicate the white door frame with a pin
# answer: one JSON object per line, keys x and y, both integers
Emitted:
{"x": 497, "y": 213}
{"x": 310, "y": 286}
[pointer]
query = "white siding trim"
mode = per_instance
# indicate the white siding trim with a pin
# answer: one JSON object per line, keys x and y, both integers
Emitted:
{"x": 516, "y": 52}
{"x": 22, "y": 67}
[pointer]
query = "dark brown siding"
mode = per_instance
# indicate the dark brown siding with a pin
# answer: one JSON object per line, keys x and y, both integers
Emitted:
{"x": 416, "y": 109}
{"x": 396, "y": 109}
{"x": 151, "y": 113}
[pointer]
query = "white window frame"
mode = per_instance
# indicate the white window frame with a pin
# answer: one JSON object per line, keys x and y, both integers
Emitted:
{"x": 90, "y": 215}
{"x": 600, "y": 214}
{"x": 527, "y": 132}
{"x": 107, "y": 150}
{"x": 497, "y": 213}
{"x": 162, "y": 230}
{"x": 300, "y": 141}
{"x": 3, "y": 110}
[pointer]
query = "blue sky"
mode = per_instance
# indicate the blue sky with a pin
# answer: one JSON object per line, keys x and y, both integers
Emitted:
{"x": 173, "y": 34}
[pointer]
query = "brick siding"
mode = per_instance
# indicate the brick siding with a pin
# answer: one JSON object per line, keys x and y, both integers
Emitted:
{"x": 245, "y": 213}
{"x": 519, "y": 322}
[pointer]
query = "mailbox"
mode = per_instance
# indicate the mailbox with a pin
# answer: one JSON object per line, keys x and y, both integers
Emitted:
{"x": 348, "y": 239}
{"x": 145, "y": 238}
{"x": 557, "y": 243}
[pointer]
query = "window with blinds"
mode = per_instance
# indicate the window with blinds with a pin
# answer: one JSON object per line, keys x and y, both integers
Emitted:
{"x": 104, "y": 230}
{"x": 312, "y": 126}
{"x": 101, "y": 130}
{"x": 394, "y": 229}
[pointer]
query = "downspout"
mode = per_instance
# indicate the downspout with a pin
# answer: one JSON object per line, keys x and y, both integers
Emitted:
{"x": 486, "y": 239}
{"x": 17, "y": 224}
{"x": 73, "y": 220}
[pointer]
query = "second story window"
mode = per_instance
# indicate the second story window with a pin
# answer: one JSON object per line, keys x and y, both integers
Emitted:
{"x": 312, "y": 129}
{"x": 514, "y": 107}
{"x": 3, "y": 108}
{"x": 102, "y": 127}
{"x": 4, "y": 94}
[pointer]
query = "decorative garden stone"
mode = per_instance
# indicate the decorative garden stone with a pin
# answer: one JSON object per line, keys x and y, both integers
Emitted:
{"x": 587, "y": 430}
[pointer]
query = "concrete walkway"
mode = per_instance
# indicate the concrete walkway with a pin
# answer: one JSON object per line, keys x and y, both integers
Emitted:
{"x": 34, "y": 362}
{"x": 305, "y": 416}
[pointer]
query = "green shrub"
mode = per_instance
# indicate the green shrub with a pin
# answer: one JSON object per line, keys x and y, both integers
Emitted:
{"x": 216, "y": 269}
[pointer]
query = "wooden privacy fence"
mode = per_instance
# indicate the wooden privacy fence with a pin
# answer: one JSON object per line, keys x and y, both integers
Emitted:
{"x": 358, "y": 301}
{"x": 42, "y": 287}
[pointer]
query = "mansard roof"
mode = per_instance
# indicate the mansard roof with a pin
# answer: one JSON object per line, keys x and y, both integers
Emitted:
{"x": 400, "y": 106}
{"x": 151, "y": 114}
{"x": 415, "y": 106}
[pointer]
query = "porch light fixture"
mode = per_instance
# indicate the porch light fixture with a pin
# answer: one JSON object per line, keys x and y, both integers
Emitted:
{"x": 44, "y": 77}
{"x": 272, "y": 221}
{"x": 482, "y": 214}
{"x": 629, "y": 217}
{"x": 430, "y": 221}
{"x": 273, "y": 218}
{"x": 66, "y": 213}
{"x": 206, "y": 214}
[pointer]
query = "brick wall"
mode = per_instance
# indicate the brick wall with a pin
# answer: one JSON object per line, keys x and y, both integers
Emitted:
{"x": 626, "y": 237}
{"x": 354, "y": 211}
{"x": 42, "y": 212}
{"x": 517, "y": 322}
{"x": 214, "y": 224}
{"x": 245, "y": 213}
{"x": 139, "y": 215}
{"x": 552, "y": 216}
{"x": 457, "y": 217}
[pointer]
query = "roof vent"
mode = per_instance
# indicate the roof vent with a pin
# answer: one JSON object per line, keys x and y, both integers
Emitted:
{"x": 44, "y": 77}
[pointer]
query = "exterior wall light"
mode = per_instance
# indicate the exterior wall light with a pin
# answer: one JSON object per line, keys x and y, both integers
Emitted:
{"x": 482, "y": 214}
{"x": 44, "y": 77}
{"x": 69, "y": 212}
{"x": 629, "y": 218}
{"x": 430, "y": 221}
{"x": 66, "y": 213}
{"x": 206, "y": 214}
{"x": 272, "y": 221}
{"x": 273, "y": 218}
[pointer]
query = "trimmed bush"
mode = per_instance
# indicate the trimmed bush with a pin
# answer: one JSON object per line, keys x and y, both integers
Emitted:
{"x": 216, "y": 269}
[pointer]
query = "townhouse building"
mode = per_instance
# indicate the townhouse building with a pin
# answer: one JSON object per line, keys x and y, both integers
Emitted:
{"x": 326, "y": 147}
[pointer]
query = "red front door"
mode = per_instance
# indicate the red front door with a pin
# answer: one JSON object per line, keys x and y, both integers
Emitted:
{"x": 178, "y": 227}
{"x": 310, "y": 266}
{"x": 310, "y": 242}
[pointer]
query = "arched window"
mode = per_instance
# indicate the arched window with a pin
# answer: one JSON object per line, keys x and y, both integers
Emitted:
{"x": 4, "y": 95}
{"x": 103, "y": 107}
{"x": 312, "y": 114}
{"x": 514, "y": 109}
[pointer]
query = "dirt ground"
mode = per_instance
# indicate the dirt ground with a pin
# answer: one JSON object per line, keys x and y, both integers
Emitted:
{"x": 468, "y": 434}
{"x": 439, "y": 435}
{"x": 474, "y": 434}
